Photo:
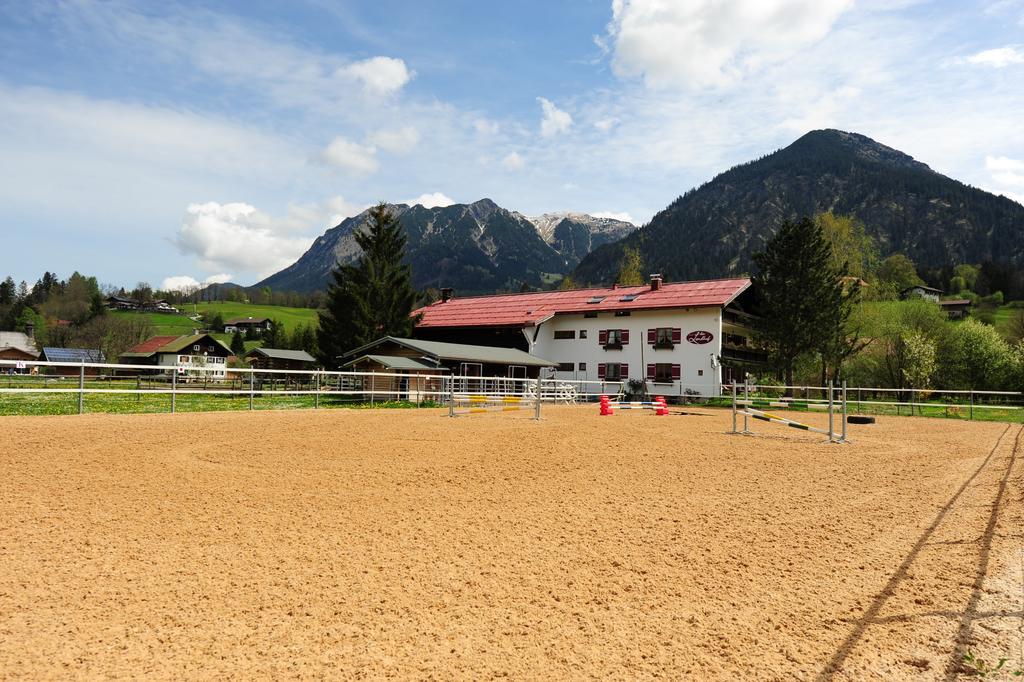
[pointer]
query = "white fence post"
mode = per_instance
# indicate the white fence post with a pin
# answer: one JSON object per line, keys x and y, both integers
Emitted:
{"x": 174, "y": 389}
{"x": 81, "y": 388}
{"x": 252, "y": 385}
{"x": 536, "y": 408}
{"x": 316, "y": 388}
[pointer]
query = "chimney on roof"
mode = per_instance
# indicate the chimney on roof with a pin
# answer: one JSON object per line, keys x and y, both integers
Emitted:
{"x": 655, "y": 282}
{"x": 30, "y": 330}
{"x": 446, "y": 294}
{"x": 615, "y": 286}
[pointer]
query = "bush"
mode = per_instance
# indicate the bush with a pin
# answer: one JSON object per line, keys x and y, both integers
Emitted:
{"x": 974, "y": 356}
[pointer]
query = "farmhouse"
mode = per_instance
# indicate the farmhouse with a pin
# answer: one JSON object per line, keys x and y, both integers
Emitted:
{"x": 279, "y": 358}
{"x": 677, "y": 336}
{"x": 18, "y": 348}
{"x": 76, "y": 355}
{"x": 956, "y": 309}
{"x": 257, "y": 325}
{"x": 186, "y": 354}
{"x": 921, "y": 291}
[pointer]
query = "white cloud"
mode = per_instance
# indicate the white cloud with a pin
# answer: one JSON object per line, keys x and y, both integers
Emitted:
{"x": 606, "y": 124}
{"x": 180, "y": 283}
{"x": 239, "y": 237}
{"x": 399, "y": 141}
{"x": 703, "y": 43}
{"x": 350, "y": 156}
{"x": 614, "y": 216}
{"x": 430, "y": 200}
{"x": 513, "y": 161}
{"x": 553, "y": 120}
{"x": 1008, "y": 174}
{"x": 380, "y": 75}
{"x": 187, "y": 283}
{"x": 998, "y": 58}
{"x": 485, "y": 126}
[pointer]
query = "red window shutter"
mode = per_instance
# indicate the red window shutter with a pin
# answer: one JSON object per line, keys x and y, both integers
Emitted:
{"x": 677, "y": 335}
{"x": 625, "y": 336}
{"x": 600, "y": 370}
{"x": 652, "y": 336}
{"x": 624, "y": 368}
{"x": 602, "y": 337}
{"x": 652, "y": 371}
{"x": 677, "y": 372}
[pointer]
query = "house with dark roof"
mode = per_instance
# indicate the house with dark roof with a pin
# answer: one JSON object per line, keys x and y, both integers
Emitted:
{"x": 256, "y": 325}
{"x": 280, "y": 358}
{"x": 675, "y": 336}
{"x": 407, "y": 367}
{"x": 921, "y": 291}
{"x": 195, "y": 355}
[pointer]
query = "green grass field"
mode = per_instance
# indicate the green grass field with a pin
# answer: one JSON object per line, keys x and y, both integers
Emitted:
{"x": 166, "y": 324}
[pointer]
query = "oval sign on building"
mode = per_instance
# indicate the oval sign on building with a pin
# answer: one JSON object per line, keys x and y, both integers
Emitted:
{"x": 700, "y": 337}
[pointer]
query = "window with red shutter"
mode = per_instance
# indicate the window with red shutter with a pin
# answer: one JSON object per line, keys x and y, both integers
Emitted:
{"x": 677, "y": 372}
{"x": 677, "y": 335}
{"x": 623, "y": 371}
{"x": 625, "y": 336}
{"x": 600, "y": 370}
{"x": 652, "y": 371}
{"x": 652, "y": 336}
{"x": 602, "y": 336}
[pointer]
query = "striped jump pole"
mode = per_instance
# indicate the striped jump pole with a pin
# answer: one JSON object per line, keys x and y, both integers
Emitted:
{"x": 765, "y": 417}
{"x": 659, "y": 406}
{"x": 478, "y": 404}
{"x": 749, "y": 408}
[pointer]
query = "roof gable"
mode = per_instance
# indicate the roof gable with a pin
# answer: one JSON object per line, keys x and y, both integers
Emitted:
{"x": 527, "y": 309}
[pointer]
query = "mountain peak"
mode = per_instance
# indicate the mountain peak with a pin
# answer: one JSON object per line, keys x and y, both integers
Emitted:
{"x": 842, "y": 142}
{"x": 715, "y": 229}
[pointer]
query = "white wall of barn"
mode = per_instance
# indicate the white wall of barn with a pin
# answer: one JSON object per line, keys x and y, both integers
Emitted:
{"x": 697, "y": 371}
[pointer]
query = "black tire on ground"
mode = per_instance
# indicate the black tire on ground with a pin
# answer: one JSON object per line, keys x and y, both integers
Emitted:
{"x": 859, "y": 419}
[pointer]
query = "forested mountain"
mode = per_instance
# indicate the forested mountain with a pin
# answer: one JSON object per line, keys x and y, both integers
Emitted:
{"x": 714, "y": 230}
{"x": 478, "y": 247}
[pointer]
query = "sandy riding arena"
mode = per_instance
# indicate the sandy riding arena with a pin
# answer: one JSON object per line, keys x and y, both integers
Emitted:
{"x": 368, "y": 544}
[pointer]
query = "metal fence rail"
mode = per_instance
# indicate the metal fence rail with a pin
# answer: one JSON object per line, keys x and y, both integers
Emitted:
{"x": 89, "y": 382}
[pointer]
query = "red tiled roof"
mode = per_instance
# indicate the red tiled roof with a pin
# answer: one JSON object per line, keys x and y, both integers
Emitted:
{"x": 516, "y": 310}
{"x": 152, "y": 344}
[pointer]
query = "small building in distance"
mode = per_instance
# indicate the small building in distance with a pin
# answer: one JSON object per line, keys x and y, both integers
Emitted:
{"x": 115, "y": 302}
{"x": 18, "y": 348}
{"x": 407, "y": 363}
{"x": 956, "y": 309}
{"x": 921, "y": 291}
{"x": 257, "y": 325}
{"x": 188, "y": 355}
{"x": 280, "y": 358}
{"x": 75, "y": 355}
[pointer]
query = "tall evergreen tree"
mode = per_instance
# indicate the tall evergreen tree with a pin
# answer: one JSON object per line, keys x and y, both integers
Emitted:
{"x": 800, "y": 292}
{"x": 237, "y": 344}
{"x": 372, "y": 297}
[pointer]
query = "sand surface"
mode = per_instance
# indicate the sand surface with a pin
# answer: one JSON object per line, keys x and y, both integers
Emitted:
{"x": 360, "y": 544}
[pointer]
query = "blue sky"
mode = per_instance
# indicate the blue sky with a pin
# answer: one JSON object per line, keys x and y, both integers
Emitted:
{"x": 171, "y": 141}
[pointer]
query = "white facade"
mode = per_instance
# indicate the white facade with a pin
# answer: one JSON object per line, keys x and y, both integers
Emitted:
{"x": 192, "y": 365}
{"x": 697, "y": 365}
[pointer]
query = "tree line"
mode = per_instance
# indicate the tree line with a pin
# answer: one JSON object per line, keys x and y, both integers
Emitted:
{"x": 829, "y": 310}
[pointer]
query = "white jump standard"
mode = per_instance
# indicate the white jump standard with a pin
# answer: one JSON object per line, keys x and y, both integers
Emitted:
{"x": 745, "y": 407}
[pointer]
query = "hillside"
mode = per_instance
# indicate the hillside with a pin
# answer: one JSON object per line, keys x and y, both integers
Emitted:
{"x": 166, "y": 323}
{"x": 478, "y": 247}
{"x": 714, "y": 230}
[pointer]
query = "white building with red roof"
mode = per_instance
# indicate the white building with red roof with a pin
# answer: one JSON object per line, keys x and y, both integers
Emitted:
{"x": 674, "y": 335}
